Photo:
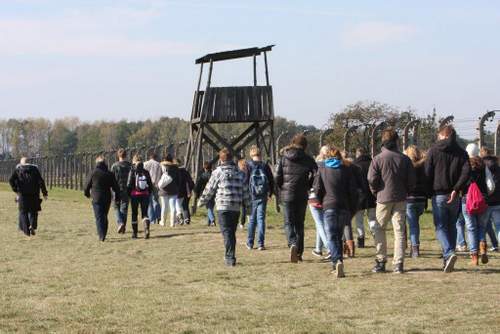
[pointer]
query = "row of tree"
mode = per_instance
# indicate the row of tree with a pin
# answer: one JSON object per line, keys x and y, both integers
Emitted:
{"x": 42, "y": 137}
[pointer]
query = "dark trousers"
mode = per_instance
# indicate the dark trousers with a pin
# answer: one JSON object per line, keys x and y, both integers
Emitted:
{"x": 295, "y": 214}
{"x": 135, "y": 203}
{"x": 28, "y": 220}
{"x": 335, "y": 222}
{"x": 101, "y": 218}
{"x": 228, "y": 222}
{"x": 185, "y": 208}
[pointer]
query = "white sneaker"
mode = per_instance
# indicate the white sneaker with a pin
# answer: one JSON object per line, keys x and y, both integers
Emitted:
{"x": 162, "y": 223}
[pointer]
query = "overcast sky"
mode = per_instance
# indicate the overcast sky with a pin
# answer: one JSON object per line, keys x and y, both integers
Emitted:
{"x": 102, "y": 59}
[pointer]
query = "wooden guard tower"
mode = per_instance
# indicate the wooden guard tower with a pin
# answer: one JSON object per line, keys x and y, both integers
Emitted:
{"x": 242, "y": 104}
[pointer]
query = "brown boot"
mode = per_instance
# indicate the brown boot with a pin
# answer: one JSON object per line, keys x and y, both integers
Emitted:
{"x": 345, "y": 249}
{"x": 350, "y": 248}
{"x": 474, "y": 259}
{"x": 483, "y": 248}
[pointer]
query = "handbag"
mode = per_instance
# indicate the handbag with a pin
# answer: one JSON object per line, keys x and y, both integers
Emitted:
{"x": 165, "y": 180}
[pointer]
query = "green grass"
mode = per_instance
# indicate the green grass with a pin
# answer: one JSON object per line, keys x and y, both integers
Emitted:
{"x": 64, "y": 280}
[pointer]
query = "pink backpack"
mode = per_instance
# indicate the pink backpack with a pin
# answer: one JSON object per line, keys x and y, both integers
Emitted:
{"x": 475, "y": 202}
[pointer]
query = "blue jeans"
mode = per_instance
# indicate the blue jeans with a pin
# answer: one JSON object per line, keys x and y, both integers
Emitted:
{"x": 28, "y": 220}
{"x": 257, "y": 219}
{"x": 413, "y": 212}
{"x": 228, "y": 222}
{"x": 493, "y": 218}
{"x": 445, "y": 219}
{"x": 154, "y": 208}
{"x": 335, "y": 220}
{"x": 461, "y": 230}
{"x": 121, "y": 210}
{"x": 318, "y": 216}
{"x": 210, "y": 212}
{"x": 476, "y": 228}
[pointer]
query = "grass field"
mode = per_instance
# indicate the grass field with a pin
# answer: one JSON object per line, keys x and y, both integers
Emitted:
{"x": 64, "y": 280}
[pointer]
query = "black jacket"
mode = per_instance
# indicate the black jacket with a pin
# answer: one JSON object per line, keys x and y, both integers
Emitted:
{"x": 295, "y": 174}
{"x": 173, "y": 187}
{"x": 366, "y": 199}
{"x": 121, "y": 170}
{"x": 100, "y": 183}
{"x": 420, "y": 193}
{"x": 27, "y": 182}
{"x": 186, "y": 183}
{"x": 446, "y": 167}
{"x": 492, "y": 163}
{"x": 201, "y": 182}
{"x": 336, "y": 186}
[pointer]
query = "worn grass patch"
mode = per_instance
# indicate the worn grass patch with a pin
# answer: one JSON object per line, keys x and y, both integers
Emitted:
{"x": 64, "y": 280}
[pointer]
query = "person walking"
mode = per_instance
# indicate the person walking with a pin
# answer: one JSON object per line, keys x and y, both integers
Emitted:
{"x": 99, "y": 186}
{"x": 447, "y": 170}
{"x": 316, "y": 209}
{"x": 139, "y": 186}
{"x": 154, "y": 169}
{"x": 336, "y": 186}
{"x": 260, "y": 185}
{"x": 186, "y": 186}
{"x": 169, "y": 193}
{"x": 200, "y": 185}
{"x": 27, "y": 182}
{"x": 367, "y": 201}
{"x": 493, "y": 213}
{"x": 121, "y": 170}
{"x": 242, "y": 167}
{"x": 476, "y": 222}
{"x": 391, "y": 177}
{"x": 294, "y": 177}
{"x": 230, "y": 190}
{"x": 417, "y": 199}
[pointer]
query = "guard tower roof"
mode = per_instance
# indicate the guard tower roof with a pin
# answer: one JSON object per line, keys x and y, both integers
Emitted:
{"x": 234, "y": 54}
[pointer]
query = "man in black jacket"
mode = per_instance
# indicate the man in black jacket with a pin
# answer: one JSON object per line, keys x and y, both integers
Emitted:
{"x": 366, "y": 200}
{"x": 447, "y": 170}
{"x": 294, "y": 177}
{"x": 120, "y": 170}
{"x": 99, "y": 186}
{"x": 493, "y": 200}
{"x": 200, "y": 185}
{"x": 27, "y": 182}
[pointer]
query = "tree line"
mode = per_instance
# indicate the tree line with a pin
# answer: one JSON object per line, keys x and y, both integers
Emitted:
{"x": 42, "y": 137}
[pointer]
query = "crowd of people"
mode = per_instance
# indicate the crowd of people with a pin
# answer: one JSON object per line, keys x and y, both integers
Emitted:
{"x": 463, "y": 186}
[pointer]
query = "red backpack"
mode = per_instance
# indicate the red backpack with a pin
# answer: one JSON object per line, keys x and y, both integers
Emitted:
{"x": 475, "y": 202}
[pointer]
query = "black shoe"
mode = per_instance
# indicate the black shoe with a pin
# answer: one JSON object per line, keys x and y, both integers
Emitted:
{"x": 379, "y": 267}
{"x": 361, "y": 242}
{"x": 299, "y": 257}
{"x": 121, "y": 229}
{"x": 398, "y": 268}
{"x": 32, "y": 231}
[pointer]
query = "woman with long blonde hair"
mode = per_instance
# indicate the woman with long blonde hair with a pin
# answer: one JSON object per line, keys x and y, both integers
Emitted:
{"x": 317, "y": 212}
{"x": 416, "y": 201}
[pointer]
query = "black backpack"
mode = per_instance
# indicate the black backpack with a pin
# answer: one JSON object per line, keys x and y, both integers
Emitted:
{"x": 27, "y": 182}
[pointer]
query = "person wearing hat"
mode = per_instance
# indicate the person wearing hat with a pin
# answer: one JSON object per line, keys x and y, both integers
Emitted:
{"x": 476, "y": 223}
